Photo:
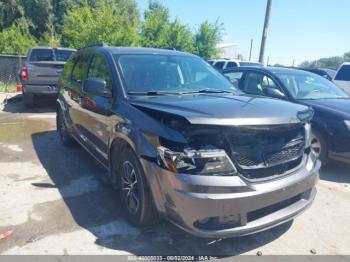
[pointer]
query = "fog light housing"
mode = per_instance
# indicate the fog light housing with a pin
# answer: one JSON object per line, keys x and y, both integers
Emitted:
{"x": 203, "y": 162}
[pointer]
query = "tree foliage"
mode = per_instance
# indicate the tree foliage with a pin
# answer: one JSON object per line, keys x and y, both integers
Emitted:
{"x": 206, "y": 39}
{"x": 77, "y": 23}
{"x": 19, "y": 41}
{"x": 333, "y": 62}
{"x": 109, "y": 23}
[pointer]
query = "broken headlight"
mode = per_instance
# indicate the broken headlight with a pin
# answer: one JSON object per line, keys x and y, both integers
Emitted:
{"x": 307, "y": 135}
{"x": 202, "y": 162}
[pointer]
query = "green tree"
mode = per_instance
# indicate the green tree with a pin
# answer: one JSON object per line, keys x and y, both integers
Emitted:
{"x": 109, "y": 23}
{"x": 155, "y": 27}
{"x": 206, "y": 39}
{"x": 14, "y": 41}
{"x": 159, "y": 31}
{"x": 346, "y": 57}
{"x": 10, "y": 10}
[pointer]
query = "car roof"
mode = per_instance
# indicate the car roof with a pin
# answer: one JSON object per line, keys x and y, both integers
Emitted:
{"x": 267, "y": 69}
{"x": 59, "y": 48}
{"x": 143, "y": 50}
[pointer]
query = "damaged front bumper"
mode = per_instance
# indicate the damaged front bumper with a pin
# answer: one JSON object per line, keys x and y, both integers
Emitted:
{"x": 228, "y": 206}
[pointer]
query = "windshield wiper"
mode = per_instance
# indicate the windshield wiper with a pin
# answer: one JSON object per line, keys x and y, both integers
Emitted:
{"x": 152, "y": 93}
{"x": 209, "y": 91}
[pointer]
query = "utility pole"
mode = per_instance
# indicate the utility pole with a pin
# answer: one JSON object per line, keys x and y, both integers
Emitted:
{"x": 251, "y": 48}
{"x": 265, "y": 31}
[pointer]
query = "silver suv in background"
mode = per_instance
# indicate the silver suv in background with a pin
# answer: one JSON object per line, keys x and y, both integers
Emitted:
{"x": 342, "y": 78}
{"x": 41, "y": 70}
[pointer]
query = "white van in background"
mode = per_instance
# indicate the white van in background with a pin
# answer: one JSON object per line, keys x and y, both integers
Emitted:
{"x": 342, "y": 78}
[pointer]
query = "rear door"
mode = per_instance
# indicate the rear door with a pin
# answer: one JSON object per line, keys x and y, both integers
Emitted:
{"x": 46, "y": 65}
{"x": 342, "y": 78}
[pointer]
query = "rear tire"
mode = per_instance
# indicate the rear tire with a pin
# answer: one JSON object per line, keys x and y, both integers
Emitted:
{"x": 319, "y": 146}
{"x": 29, "y": 100}
{"x": 62, "y": 129}
{"x": 135, "y": 195}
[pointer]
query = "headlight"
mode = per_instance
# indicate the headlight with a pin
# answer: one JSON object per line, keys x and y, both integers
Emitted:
{"x": 347, "y": 123}
{"x": 307, "y": 135}
{"x": 203, "y": 162}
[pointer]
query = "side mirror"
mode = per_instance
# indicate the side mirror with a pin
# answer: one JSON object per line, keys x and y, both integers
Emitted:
{"x": 96, "y": 86}
{"x": 272, "y": 92}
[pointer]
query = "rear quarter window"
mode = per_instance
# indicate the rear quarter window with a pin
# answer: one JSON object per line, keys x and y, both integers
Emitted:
{"x": 343, "y": 74}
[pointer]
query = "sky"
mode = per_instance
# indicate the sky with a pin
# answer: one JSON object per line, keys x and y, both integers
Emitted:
{"x": 299, "y": 29}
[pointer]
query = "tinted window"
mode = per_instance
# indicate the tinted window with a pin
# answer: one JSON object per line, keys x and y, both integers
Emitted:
{"x": 42, "y": 55}
{"x": 38, "y": 55}
{"x": 99, "y": 68}
{"x": 304, "y": 85}
{"x": 62, "y": 55}
{"x": 171, "y": 74}
{"x": 344, "y": 73}
{"x": 231, "y": 65}
{"x": 80, "y": 68}
{"x": 219, "y": 65}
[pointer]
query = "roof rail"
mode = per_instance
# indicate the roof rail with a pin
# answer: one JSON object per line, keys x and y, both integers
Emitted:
{"x": 94, "y": 45}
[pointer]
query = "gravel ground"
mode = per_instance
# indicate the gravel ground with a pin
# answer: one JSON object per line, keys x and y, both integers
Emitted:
{"x": 57, "y": 201}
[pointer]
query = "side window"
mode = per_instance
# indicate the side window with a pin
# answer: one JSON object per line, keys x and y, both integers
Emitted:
{"x": 231, "y": 65}
{"x": 80, "y": 68}
{"x": 99, "y": 68}
{"x": 256, "y": 84}
{"x": 343, "y": 74}
{"x": 219, "y": 65}
{"x": 235, "y": 78}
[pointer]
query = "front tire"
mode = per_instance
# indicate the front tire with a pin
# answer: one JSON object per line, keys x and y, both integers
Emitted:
{"x": 319, "y": 146}
{"x": 135, "y": 195}
{"x": 62, "y": 129}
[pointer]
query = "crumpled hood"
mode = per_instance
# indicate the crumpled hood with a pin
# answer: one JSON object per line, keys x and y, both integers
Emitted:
{"x": 214, "y": 109}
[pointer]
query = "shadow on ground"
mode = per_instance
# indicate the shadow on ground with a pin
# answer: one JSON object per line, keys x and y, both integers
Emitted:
{"x": 336, "y": 172}
{"x": 42, "y": 105}
{"x": 98, "y": 205}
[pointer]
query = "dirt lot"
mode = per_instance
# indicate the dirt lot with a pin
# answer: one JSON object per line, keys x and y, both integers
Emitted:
{"x": 57, "y": 201}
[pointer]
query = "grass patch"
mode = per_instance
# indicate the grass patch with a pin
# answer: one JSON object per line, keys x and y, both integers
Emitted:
{"x": 11, "y": 88}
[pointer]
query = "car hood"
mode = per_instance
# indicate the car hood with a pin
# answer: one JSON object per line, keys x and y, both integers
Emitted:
{"x": 337, "y": 106}
{"x": 213, "y": 109}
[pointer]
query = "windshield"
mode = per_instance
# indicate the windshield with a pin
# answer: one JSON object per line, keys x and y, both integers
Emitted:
{"x": 38, "y": 55}
{"x": 305, "y": 85}
{"x": 170, "y": 74}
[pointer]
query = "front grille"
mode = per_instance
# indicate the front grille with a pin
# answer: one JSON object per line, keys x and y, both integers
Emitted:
{"x": 260, "y": 152}
{"x": 256, "y": 214}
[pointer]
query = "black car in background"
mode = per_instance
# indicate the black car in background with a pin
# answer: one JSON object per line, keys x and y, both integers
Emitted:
{"x": 325, "y": 72}
{"x": 331, "y": 122}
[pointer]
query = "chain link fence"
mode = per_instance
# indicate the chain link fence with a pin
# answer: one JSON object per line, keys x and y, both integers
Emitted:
{"x": 10, "y": 66}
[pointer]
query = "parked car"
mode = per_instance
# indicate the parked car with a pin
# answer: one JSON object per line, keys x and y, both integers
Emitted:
{"x": 325, "y": 72}
{"x": 223, "y": 64}
{"x": 342, "y": 77}
{"x": 331, "y": 123}
{"x": 180, "y": 142}
{"x": 41, "y": 70}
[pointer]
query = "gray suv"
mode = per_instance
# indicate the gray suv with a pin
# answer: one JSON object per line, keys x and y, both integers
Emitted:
{"x": 181, "y": 143}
